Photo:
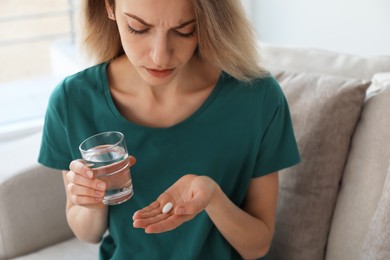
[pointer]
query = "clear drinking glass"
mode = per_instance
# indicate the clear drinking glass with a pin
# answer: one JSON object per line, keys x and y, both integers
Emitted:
{"x": 106, "y": 154}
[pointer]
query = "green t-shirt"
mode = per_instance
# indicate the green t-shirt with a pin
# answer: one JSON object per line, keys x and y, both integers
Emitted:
{"x": 242, "y": 131}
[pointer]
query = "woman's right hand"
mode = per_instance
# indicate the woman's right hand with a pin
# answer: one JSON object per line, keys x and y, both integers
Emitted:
{"x": 82, "y": 187}
{"x": 85, "y": 212}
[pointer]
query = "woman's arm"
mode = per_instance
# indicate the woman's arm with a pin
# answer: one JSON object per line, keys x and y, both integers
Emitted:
{"x": 85, "y": 212}
{"x": 251, "y": 229}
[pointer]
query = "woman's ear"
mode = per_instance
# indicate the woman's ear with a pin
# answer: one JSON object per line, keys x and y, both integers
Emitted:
{"x": 110, "y": 11}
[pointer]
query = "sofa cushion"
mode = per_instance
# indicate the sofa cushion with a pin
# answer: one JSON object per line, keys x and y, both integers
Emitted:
{"x": 299, "y": 59}
{"x": 363, "y": 178}
{"x": 377, "y": 242}
{"x": 32, "y": 212}
{"x": 324, "y": 111}
{"x": 67, "y": 250}
{"x": 28, "y": 146}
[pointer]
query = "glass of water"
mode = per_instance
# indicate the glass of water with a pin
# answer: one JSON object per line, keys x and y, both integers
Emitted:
{"x": 106, "y": 154}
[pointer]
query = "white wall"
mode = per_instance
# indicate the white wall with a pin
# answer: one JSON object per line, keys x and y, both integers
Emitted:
{"x": 358, "y": 27}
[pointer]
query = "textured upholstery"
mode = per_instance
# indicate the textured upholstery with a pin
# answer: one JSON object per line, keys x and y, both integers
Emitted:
{"x": 298, "y": 59}
{"x": 324, "y": 111}
{"x": 32, "y": 201}
{"x": 363, "y": 179}
{"x": 376, "y": 244}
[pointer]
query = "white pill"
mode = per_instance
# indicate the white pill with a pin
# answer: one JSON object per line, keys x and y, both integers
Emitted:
{"x": 167, "y": 207}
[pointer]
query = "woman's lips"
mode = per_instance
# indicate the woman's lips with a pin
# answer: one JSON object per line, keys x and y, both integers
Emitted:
{"x": 160, "y": 73}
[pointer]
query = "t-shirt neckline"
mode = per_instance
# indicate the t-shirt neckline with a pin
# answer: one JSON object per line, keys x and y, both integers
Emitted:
{"x": 189, "y": 119}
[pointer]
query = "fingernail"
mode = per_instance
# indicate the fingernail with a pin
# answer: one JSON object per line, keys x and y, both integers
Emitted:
{"x": 100, "y": 193}
{"x": 101, "y": 185}
{"x": 90, "y": 174}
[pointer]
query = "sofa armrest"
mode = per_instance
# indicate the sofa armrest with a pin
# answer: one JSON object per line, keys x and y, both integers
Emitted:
{"x": 32, "y": 204}
{"x": 32, "y": 200}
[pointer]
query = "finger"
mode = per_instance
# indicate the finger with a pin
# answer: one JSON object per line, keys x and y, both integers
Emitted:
{"x": 143, "y": 223}
{"x": 79, "y": 167}
{"x": 187, "y": 209}
{"x": 84, "y": 191}
{"x": 155, "y": 207}
{"x": 132, "y": 160}
{"x": 194, "y": 206}
{"x": 80, "y": 180}
{"x": 146, "y": 214}
{"x": 85, "y": 200}
{"x": 152, "y": 210}
{"x": 169, "y": 224}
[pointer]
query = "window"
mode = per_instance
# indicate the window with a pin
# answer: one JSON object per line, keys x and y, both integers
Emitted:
{"x": 37, "y": 50}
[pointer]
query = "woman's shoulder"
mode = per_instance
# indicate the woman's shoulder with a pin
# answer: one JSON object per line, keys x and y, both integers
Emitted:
{"x": 269, "y": 85}
{"x": 258, "y": 98}
{"x": 90, "y": 74}
{"x": 263, "y": 85}
{"x": 76, "y": 85}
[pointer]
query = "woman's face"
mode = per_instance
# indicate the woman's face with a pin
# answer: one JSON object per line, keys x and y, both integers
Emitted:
{"x": 159, "y": 36}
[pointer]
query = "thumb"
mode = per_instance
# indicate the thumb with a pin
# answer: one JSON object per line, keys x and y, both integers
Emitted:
{"x": 132, "y": 160}
{"x": 192, "y": 207}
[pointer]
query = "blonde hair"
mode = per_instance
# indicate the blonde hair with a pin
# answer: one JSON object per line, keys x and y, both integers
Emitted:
{"x": 226, "y": 37}
{"x": 100, "y": 37}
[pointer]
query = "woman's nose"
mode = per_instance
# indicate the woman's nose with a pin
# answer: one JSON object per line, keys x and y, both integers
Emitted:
{"x": 161, "y": 51}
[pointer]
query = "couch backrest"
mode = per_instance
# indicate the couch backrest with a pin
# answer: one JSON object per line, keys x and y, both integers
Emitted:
{"x": 297, "y": 59}
{"x": 369, "y": 154}
{"x": 363, "y": 179}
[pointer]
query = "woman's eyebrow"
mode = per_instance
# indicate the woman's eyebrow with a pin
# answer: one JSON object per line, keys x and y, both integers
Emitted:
{"x": 138, "y": 19}
{"x": 184, "y": 24}
{"x": 149, "y": 25}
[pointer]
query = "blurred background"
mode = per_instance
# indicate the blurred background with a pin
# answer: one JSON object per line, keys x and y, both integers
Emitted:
{"x": 359, "y": 27}
{"x": 37, "y": 49}
{"x": 38, "y": 44}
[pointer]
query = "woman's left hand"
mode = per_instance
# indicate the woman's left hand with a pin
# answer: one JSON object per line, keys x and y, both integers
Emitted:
{"x": 189, "y": 195}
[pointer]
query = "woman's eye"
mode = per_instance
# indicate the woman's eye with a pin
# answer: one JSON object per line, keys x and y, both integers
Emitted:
{"x": 185, "y": 35}
{"x": 137, "y": 32}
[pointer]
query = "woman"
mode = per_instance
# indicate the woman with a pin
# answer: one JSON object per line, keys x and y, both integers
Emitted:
{"x": 209, "y": 128}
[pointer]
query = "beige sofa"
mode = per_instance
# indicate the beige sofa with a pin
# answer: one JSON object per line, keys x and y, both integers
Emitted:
{"x": 334, "y": 205}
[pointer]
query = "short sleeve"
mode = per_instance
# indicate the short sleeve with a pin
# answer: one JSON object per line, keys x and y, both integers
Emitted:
{"x": 278, "y": 147}
{"x": 54, "y": 150}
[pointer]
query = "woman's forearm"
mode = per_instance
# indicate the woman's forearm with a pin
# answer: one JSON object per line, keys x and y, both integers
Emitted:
{"x": 249, "y": 235}
{"x": 87, "y": 224}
